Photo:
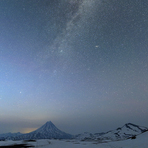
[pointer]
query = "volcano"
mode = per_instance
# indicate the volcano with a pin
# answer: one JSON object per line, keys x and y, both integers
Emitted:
{"x": 47, "y": 131}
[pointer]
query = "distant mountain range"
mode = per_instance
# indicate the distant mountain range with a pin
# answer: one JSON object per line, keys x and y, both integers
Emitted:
{"x": 9, "y": 135}
{"x": 50, "y": 131}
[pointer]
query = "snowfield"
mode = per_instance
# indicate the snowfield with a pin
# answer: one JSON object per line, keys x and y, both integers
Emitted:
{"x": 140, "y": 142}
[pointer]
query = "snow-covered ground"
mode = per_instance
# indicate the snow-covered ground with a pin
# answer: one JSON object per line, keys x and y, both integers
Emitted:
{"x": 140, "y": 142}
{"x": 59, "y": 144}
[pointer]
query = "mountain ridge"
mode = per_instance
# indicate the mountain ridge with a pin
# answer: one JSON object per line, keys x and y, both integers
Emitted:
{"x": 50, "y": 131}
{"x": 127, "y": 131}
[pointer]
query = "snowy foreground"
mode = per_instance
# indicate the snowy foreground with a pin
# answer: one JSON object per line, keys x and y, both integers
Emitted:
{"x": 140, "y": 142}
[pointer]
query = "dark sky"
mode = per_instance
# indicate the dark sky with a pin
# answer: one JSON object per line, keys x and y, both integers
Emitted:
{"x": 82, "y": 64}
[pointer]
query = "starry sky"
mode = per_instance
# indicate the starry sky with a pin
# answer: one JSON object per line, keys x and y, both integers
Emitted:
{"x": 82, "y": 64}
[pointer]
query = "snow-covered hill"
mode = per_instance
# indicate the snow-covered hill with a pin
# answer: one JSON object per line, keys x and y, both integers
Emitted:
{"x": 129, "y": 130}
{"x": 125, "y": 132}
{"x": 47, "y": 131}
{"x": 85, "y": 136}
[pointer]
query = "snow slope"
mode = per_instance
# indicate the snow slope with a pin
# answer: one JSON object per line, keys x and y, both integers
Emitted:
{"x": 45, "y": 143}
{"x": 141, "y": 141}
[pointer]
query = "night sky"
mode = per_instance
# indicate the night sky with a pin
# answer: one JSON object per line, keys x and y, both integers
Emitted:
{"x": 82, "y": 64}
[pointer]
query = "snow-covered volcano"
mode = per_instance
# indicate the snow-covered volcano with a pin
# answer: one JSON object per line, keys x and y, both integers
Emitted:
{"x": 47, "y": 131}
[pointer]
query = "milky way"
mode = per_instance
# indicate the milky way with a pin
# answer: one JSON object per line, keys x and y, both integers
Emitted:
{"x": 81, "y": 64}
